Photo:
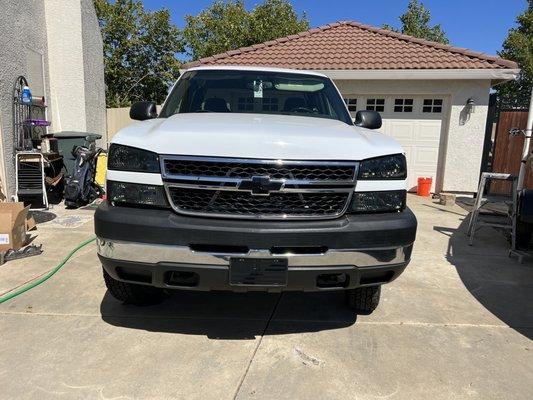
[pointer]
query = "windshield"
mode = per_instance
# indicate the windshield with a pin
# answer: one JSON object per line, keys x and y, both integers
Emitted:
{"x": 233, "y": 91}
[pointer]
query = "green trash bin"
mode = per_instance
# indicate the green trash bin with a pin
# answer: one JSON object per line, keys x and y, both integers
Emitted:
{"x": 66, "y": 140}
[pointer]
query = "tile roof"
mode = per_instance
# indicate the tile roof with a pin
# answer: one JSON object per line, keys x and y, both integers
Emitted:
{"x": 348, "y": 45}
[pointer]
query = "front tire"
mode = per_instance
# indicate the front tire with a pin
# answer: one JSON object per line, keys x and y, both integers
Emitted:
{"x": 363, "y": 300}
{"x": 130, "y": 293}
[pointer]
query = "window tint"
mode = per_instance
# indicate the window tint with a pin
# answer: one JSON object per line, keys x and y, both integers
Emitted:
{"x": 375, "y": 104}
{"x": 233, "y": 91}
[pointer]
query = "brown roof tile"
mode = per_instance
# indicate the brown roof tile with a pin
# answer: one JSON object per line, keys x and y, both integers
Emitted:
{"x": 352, "y": 45}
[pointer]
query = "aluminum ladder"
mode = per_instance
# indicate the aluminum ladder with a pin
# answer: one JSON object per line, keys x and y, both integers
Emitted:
{"x": 482, "y": 200}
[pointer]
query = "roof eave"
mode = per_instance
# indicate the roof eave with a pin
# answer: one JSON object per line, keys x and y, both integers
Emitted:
{"x": 501, "y": 74}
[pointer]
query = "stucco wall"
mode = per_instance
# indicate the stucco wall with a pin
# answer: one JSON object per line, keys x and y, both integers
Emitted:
{"x": 15, "y": 39}
{"x": 93, "y": 71}
{"x": 461, "y": 143}
{"x": 65, "y": 54}
{"x": 67, "y": 35}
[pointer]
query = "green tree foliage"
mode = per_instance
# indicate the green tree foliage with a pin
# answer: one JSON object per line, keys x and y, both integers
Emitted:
{"x": 227, "y": 25}
{"x": 415, "y": 22}
{"x": 518, "y": 46}
{"x": 139, "y": 51}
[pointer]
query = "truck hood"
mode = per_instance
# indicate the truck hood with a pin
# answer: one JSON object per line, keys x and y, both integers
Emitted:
{"x": 256, "y": 136}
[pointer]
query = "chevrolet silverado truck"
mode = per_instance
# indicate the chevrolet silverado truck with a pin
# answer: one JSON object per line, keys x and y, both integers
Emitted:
{"x": 253, "y": 179}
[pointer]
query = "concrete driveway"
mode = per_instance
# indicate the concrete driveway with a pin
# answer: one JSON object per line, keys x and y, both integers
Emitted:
{"x": 457, "y": 324}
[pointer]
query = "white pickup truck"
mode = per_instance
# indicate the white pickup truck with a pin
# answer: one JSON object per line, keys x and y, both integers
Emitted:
{"x": 253, "y": 179}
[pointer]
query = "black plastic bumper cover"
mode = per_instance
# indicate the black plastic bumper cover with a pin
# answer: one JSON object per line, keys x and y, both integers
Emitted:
{"x": 167, "y": 227}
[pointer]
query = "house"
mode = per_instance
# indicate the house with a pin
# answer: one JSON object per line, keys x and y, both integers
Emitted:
{"x": 433, "y": 97}
{"x": 57, "y": 46}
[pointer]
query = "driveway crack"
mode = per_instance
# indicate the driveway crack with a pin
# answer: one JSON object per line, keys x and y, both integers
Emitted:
{"x": 274, "y": 309}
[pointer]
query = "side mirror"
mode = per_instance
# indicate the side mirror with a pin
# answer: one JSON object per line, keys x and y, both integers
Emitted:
{"x": 142, "y": 110}
{"x": 368, "y": 119}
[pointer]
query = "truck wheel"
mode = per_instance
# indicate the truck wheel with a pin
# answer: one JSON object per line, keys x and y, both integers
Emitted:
{"x": 363, "y": 300}
{"x": 130, "y": 293}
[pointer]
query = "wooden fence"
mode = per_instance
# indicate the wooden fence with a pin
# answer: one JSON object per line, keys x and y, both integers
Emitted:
{"x": 118, "y": 118}
{"x": 508, "y": 150}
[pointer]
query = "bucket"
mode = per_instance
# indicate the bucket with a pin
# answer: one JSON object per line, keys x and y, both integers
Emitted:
{"x": 424, "y": 186}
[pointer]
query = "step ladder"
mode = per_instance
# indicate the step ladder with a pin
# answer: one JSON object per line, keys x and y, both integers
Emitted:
{"x": 483, "y": 200}
{"x": 29, "y": 179}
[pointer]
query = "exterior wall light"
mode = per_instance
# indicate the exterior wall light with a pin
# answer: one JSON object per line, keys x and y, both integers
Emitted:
{"x": 471, "y": 106}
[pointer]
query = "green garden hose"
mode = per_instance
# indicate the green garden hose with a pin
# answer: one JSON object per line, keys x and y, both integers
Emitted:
{"x": 42, "y": 279}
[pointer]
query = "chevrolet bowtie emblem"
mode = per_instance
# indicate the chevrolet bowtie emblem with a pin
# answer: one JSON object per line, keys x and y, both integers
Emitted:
{"x": 260, "y": 185}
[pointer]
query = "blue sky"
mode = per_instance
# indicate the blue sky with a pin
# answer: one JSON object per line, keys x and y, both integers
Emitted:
{"x": 479, "y": 25}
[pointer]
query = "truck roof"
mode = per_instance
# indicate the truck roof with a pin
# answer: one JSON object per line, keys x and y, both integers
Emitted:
{"x": 254, "y": 68}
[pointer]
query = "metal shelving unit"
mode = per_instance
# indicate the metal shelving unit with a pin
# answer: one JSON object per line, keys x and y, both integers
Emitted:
{"x": 30, "y": 124}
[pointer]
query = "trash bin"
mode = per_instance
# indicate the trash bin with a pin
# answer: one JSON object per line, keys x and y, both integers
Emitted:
{"x": 66, "y": 141}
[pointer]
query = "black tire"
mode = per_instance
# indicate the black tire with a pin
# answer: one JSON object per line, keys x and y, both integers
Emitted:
{"x": 363, "y": 300}
{"x": 130, "y": 293}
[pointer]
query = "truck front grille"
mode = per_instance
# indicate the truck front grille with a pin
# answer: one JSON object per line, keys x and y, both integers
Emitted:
{"x": 221, "y": 203}
{"x": 246, "y": 170}
{"x": 258, "y": 189}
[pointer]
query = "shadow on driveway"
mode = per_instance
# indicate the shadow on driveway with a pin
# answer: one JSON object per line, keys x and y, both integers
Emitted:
{"x": 501, "y": 284}
{"x": 237, "y": 316}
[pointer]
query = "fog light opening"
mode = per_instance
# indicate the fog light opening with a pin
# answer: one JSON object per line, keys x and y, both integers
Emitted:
{"x": 332, "y": 280}
{"x": 134, "y": 275}
{"x": 182, "y": 278}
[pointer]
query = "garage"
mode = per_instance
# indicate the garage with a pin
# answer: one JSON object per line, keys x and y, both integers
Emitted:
{"x": 433, "y": 98}
{"x": 415, "y": 121}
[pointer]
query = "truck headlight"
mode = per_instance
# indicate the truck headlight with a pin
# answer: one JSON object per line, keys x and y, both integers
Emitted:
{"x": 382, "y": 168}
{"x": 126, "y": 158}
{"x": 126, "y": 193}
{"x": 368, "y": 202}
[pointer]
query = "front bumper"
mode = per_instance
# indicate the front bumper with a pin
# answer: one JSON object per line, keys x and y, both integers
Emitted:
{"x": 152, "y": 247}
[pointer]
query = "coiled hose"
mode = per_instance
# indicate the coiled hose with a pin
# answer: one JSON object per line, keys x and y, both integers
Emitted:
{"x": 44, "y": 278}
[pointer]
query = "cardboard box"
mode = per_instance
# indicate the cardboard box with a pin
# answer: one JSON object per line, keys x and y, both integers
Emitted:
{"x": 12, "y": 225}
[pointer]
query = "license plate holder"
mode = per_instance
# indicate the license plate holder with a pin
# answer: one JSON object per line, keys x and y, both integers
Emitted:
{"x": 247, "y": 271}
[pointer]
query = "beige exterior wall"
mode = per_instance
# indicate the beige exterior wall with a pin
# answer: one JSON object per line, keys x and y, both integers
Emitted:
{"x": 66, "y": 74}
{"x": 461, "y": 141}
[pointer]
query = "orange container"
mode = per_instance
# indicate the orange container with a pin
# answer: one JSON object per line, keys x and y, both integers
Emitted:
{"x": 424, "y": 186}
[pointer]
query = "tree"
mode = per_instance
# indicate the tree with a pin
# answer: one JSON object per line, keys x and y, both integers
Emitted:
{"x": 139, "y": 51}
{"x": 518, "y": 46}
{"x": 227, "y": 25}
{"x": 415, "y": 22}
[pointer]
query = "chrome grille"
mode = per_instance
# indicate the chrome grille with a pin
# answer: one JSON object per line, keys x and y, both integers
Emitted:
{"x": 252, "y": 188}
{"x": 245, "y": 170}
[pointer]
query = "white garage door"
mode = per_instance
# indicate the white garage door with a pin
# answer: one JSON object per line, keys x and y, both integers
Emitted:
{"x": 415, "y": 122}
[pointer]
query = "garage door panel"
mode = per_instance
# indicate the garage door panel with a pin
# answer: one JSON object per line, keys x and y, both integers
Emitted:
{"x": 409, "y": 153}
{"x": 424, "y": 157}
{"x": 417, "y": 131}
{"x": 419, "y": 134}
{"x": 401, "y": 130}
{"x": 429, "y": 131}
